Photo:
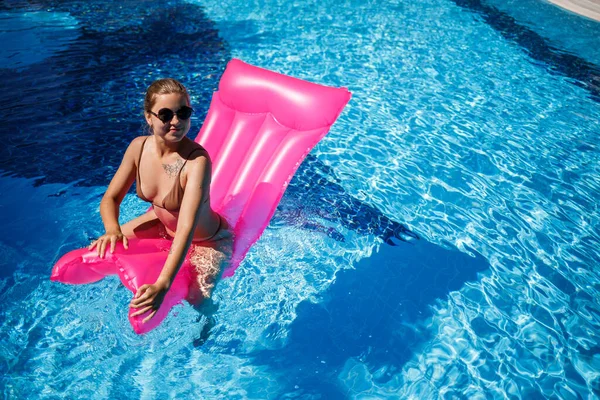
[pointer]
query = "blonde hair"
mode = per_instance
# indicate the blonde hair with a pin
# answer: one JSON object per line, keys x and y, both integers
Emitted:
{"x": 163, "y": 86}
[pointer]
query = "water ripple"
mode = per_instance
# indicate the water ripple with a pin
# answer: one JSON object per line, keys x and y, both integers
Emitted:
{"x": 453, "y": 129}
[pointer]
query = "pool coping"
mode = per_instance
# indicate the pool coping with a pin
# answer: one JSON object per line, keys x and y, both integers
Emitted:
{"x": 586, "y": 8}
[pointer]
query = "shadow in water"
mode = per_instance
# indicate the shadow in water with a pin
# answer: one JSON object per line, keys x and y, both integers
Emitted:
{"x": 375, "y": 312}
{"x": 83, "y": 104}
{"x": 315, "y": 195}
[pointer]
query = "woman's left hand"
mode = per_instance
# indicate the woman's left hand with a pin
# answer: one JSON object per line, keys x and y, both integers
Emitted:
{"x": 149, "y": 297}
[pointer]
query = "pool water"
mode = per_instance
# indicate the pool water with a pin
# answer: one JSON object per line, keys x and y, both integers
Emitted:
{"x": 440, "y": 242}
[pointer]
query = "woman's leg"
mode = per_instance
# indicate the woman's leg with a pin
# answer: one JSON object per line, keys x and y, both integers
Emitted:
{"x": 208, "y": 308}
{"x": 208, "y": 260}
{"x": 145, "y": 226}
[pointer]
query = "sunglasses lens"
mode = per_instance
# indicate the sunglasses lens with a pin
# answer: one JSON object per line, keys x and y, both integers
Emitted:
{"x": 165, "y": 115}
{"x": 184, "y": 112}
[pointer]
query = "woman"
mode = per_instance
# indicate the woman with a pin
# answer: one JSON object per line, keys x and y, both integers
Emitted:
{"x": 173, "y": 173}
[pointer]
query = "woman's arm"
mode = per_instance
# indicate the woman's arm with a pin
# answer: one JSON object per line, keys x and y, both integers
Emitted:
{"x": 196, "y": 189}
{"x": 109, "y": 205}
{"x": 150, "y": 297}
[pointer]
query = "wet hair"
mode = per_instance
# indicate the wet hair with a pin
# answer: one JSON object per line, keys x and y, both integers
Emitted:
{"x": 163, "y": 86}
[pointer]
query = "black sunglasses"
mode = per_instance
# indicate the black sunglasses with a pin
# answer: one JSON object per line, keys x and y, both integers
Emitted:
{"x": 166, "y": 115}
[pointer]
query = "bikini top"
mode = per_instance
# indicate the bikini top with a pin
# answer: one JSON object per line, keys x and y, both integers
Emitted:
{"x": 172, "y": 201}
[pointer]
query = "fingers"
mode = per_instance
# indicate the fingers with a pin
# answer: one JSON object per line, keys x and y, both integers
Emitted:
{"x": 149, "y": 317}
{"x": 141, "y": 302}
{"x": 102, "y": 249}
{"x": 146, "y": 298}
{"x": 144, "y": 308}
{"x": 96, "y": 244}
{"x": 137, "y": 302}
{"x": 99, "y": 247}
{"x": 102, "y": 242}
{"x": 113, "y": 244}
{"x": 142, "y": 311}
{"x": 142, "y": 297}
{"x": 141, "y": 290}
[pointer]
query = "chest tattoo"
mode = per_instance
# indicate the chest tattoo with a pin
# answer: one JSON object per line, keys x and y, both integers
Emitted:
{"x": 173, "y": 169}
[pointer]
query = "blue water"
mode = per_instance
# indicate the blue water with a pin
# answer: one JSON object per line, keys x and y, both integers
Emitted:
{"x": 440, "y": 242}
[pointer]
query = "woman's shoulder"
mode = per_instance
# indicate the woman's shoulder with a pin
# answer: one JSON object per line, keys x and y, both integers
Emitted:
{"x": 138, "y": 141}
{"x": 197, "y": 159}
{"x": 196, "y": 151}
{"x": 135, "y": 146}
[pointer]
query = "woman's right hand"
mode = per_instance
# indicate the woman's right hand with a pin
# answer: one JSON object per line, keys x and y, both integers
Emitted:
{"x": 109, "y": 238}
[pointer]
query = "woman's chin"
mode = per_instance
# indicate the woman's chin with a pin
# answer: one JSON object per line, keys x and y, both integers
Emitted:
{"x": 175, "y": 136}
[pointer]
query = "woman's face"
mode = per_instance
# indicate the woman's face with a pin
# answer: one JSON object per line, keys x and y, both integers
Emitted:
{"x": 172, "y": 130}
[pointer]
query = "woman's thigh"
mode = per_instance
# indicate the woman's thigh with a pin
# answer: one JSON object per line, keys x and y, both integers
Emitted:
{"x": 208, "y": 260}
{"x": 145, "y": 226}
